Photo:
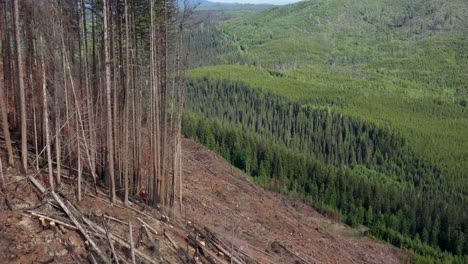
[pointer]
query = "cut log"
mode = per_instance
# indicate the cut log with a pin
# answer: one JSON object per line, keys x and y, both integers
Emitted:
{"x": 132, "y": 248}
{"x": 154, "y": 243}
{"x": 78, "y": 225}
{"x": 115, "y": 219}
{"x": 147, "y": 225}
{"x": 178, "y": 248}
{"x": 109, "y": 239}
{"x": 102, "y": 233}
{"x": 54, "y": 220}
{"x": 37, "y": 184}
{"x": 218, "y": 244}
{"x": 205, "y": 251}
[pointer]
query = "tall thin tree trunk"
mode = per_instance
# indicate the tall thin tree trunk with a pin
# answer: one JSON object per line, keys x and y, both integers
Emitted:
{"x": 6, "y": 129}
{"x": 110, "y": 146}
{"x": 127, "y": 86}
{"x": 14, "y": 71}
{"x": 79, "y": 165}
{"x": 58, "y": 143}
{"x": 46, "y": 123}
{"x": 89, "y": 95}
{"x": 36, "y": 148}
{"x": 1, "y": 175}
{"x": 24, "y": 139}
{"x": 3, "y": 81}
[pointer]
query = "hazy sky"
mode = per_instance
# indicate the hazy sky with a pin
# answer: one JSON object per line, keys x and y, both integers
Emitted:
{"x": 276, "y": 2}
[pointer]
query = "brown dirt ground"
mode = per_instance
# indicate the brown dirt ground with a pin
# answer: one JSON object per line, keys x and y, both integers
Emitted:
{"x": 254, "y": 225}
{"x": 251, "y": 218}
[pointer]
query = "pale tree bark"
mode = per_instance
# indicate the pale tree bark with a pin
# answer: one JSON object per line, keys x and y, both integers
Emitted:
{"x": 110, "y": 146}
{"x": 155, "y": 135}
{"x": 136, "y": 80}
{"x": 127, "y": 86}
{"x": 46, "y": 124}
{"x": 24, "y": 139}
{"x": 36, "y": 148}
{"x": 57, "y": 110}
{"x": 66, "y": 138}
{"x": 89, "y": 101}
{"x": 79, "y": 162}
{"x": 58, "y": 141}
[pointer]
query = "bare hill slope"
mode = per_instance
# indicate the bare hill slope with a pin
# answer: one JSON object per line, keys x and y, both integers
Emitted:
{"x": 225, "y": 217}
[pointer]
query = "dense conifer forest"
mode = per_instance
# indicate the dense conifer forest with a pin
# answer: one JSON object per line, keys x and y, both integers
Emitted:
{"x": 358, "y": 108}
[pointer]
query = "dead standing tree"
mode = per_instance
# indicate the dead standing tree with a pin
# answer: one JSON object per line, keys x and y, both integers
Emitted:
{"x": 110, "y": 143}
{"x": 123, "y": 82}
{"x": 20, "y": 63}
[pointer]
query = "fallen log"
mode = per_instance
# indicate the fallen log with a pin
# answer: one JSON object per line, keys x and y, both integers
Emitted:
{"x": 7, "y": 202}
{"x": 191, "y": 240}
{"x": 52, "y": 219}
{"x": 37, "y": 184}
{"x": 178, "y": 248}
{"x": 205, "y": 251}
{"x": 102, "y": 233}
{"x": 78, "y": 225}
{"x": 109, "y": 239}
{"x": 132, "y": 248}
{"x": 122, "y": 207}
{"x": 147, "y": 225}
{"x": 296, "y": 255}
{"x": 218, "y": 244}
{"x": 115, "y": 219}
{"x": 72, "y": 217}
{"x": 154, "y": 243}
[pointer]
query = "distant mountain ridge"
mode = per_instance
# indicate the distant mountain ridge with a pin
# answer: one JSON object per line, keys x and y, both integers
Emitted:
{"x": 205, "y": 3}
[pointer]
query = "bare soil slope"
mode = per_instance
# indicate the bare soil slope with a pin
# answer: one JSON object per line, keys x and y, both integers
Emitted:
{"x": 226, "y": 219}
{"x": 223, "y": 198}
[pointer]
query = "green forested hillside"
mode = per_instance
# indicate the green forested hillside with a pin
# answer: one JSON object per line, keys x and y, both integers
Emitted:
{"x": 431, "y": 122}
{"x": 361, "y": 104}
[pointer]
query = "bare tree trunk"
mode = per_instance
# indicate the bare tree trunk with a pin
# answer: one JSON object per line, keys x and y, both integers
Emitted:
{"x": 164, "y": 107}
{"x": 127, "y": 86}
{"x": 93, "y": 33}
{"x": 91, "y": 124}
{"x": 24, "y": 139}
{"x": 36, "y": 148}
{"x": 79, "y": 161}
{"x": 3, "y": 99}
{"x": 6, "y": 129}
{"x": 132, "y": 248}
{"x": 155, "y": 135}
{"x": 110, "y": 146}
{"x": 114, "y": 74}
{"x": 46, "y": 123}
{"x": 14, "y": 71}
{"x": 103, "y": 129}
{"x": 58, "y": 143}
{"x": 80, "y": 125}
{"x": 57, "y": 112}
{"x": 1, "y": 175}
{"x": 66, "y": 138}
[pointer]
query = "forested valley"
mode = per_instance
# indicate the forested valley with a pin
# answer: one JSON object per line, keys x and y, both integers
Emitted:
{"x": 358, "y": 109}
